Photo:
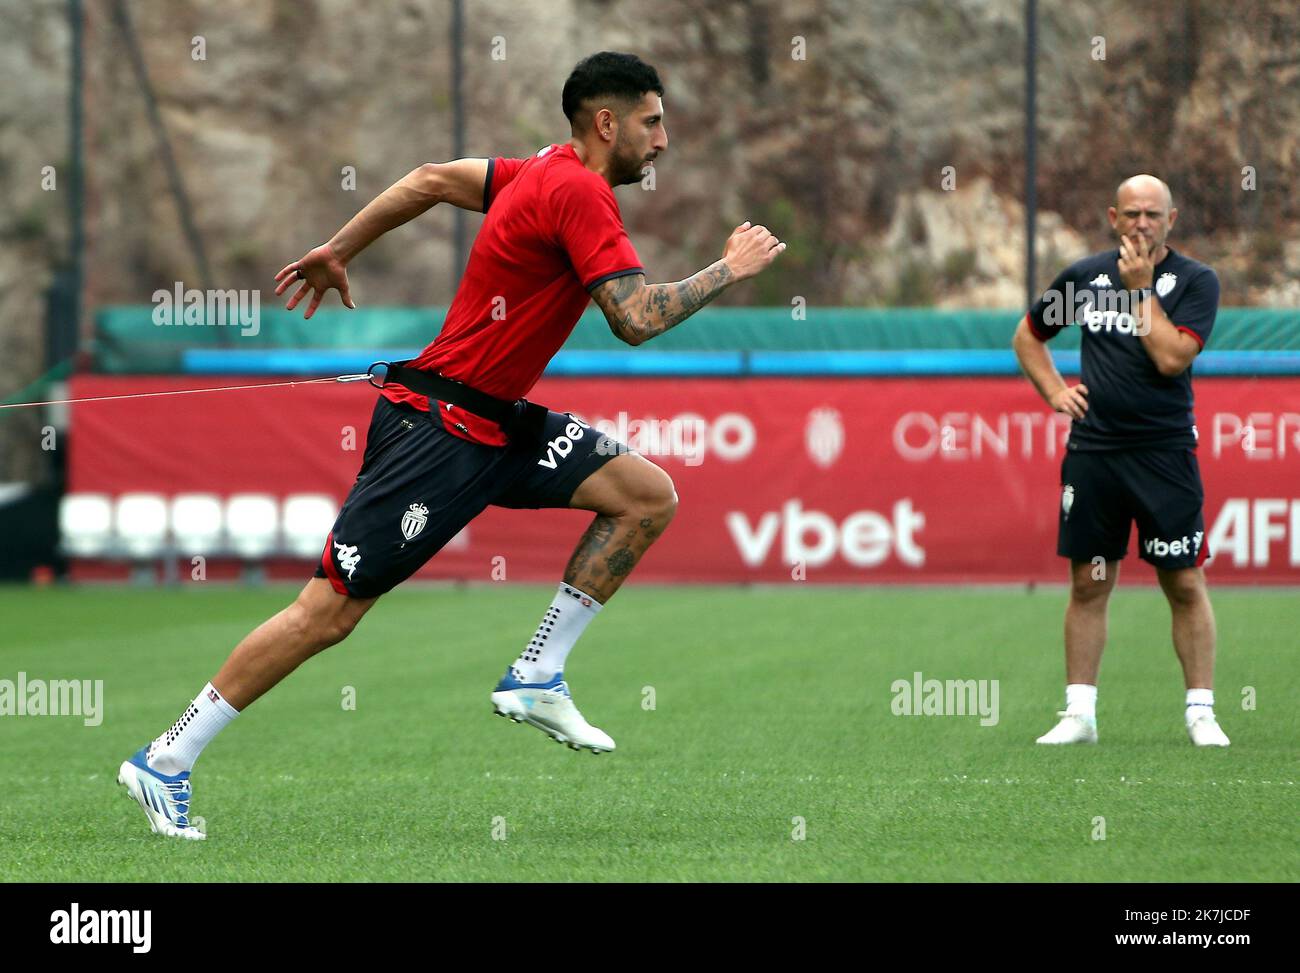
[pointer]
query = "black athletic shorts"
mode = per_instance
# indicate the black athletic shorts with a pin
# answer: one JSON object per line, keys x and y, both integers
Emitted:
{"x": 419, "y": 485}
{"x": 1104, "y": 491}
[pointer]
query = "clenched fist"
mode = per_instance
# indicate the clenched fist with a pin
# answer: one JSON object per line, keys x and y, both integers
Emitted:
{"x": 750, "y": 250}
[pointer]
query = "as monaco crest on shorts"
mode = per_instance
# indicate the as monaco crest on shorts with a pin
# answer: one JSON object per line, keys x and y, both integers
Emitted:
{"x": 1067, "y": 499}
{"x": 413, "y": 521}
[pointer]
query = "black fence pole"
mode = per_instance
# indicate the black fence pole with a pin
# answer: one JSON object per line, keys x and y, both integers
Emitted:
{"x": 458, "y": 125}
{"x": 1031, "y": 149}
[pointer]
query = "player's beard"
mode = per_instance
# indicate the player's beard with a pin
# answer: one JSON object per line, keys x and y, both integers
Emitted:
{"x": 628, "y": 163}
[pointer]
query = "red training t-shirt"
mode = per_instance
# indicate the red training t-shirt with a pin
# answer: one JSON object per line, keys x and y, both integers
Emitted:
{"x": 553, "y": 231}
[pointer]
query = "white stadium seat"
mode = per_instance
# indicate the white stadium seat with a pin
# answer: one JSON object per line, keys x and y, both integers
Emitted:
{"x": 252, "y": 525}
{"x": 140, "y": 521}
{"x": 196, "y": 523}
{"x": 86, "y": 524}
{"x": 307, "y": 519}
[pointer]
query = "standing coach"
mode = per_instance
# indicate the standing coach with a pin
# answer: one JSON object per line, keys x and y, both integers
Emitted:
{"x": 1146, "y": 312}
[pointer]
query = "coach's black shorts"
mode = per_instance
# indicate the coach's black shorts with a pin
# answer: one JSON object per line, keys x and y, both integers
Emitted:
{"x": 1104, "y": 492}
{"x": 419, "y": 485}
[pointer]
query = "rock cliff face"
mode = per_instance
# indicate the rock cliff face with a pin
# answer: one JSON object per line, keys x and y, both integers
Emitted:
{"x": 835, "y": 121}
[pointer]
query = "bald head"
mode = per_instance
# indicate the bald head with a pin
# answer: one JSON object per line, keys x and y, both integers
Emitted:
{"x": 1144, "y": 212}
{"x": 1143, "y": 186}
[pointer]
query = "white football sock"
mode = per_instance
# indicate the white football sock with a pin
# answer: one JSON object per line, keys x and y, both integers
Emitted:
{"x": 1200, "y": 702}
{"x": 549, "y": 647}
{"x": 176, "y": 750}
{"x": 1081, "y": 700}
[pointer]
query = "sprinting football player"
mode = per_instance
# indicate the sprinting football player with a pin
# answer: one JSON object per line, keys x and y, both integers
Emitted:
{"x": 451, "y": 432}
{"x": 1146, "y": 312}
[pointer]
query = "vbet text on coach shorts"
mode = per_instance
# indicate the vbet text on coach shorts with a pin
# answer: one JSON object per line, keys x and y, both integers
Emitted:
{"x": 419, "y": 485}
{"x": 1104, "y": 491}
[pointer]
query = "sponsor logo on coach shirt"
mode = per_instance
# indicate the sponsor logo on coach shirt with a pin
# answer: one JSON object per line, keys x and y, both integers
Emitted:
{"x": 1101, "y": 309}
{"x": 1159, "y": 547}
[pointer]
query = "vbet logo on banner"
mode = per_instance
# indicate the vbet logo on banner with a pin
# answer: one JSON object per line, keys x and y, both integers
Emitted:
{"x": 947, "y": 481}
{"x": 864, "y": 538}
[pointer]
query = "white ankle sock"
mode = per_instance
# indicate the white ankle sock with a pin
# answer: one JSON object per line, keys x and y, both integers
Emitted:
{"x": 1081, "y": 700}
{"x": 176, "y": 750}
{"x": 549, "y": 647}
{"x": 1200, "y": 702}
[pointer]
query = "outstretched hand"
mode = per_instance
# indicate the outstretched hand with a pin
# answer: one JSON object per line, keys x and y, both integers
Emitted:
{"x": 319, "y": 270}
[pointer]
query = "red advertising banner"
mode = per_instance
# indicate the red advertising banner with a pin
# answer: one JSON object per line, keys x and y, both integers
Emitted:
{"x": 832, "y": 480}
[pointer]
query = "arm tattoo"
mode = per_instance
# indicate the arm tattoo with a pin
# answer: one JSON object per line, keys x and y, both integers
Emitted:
{"x": 638, "y": 312}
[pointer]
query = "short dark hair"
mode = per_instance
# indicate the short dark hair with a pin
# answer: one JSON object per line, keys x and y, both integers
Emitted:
{"x": 612, "y": 75}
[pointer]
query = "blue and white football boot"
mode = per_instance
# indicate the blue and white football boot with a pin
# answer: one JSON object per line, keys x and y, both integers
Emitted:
{"x": 549, "y": 707}
{"x": 165, "y": 800}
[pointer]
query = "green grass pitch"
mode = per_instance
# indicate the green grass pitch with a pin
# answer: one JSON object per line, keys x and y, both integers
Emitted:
{"x": 771, "y": 707}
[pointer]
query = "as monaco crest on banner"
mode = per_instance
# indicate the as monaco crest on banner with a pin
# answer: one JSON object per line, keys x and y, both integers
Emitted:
{"x": 414, "y": 519}
{"x": 824, "y": 436}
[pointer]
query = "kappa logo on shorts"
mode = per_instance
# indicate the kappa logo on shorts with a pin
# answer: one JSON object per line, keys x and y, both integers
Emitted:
{"x": 413, "y": 521}
{"x": 347, "y": 557}
{"x": 562, "y": 445}
{"x": 1067, "y": 499}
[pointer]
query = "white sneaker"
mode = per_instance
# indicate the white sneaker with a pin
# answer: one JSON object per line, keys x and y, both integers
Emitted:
{"x": 549, "y": 707}
{"x": 164, "y": 799}
{"x": 1071, "y": 729}
{"x": 1206, "y": 732}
